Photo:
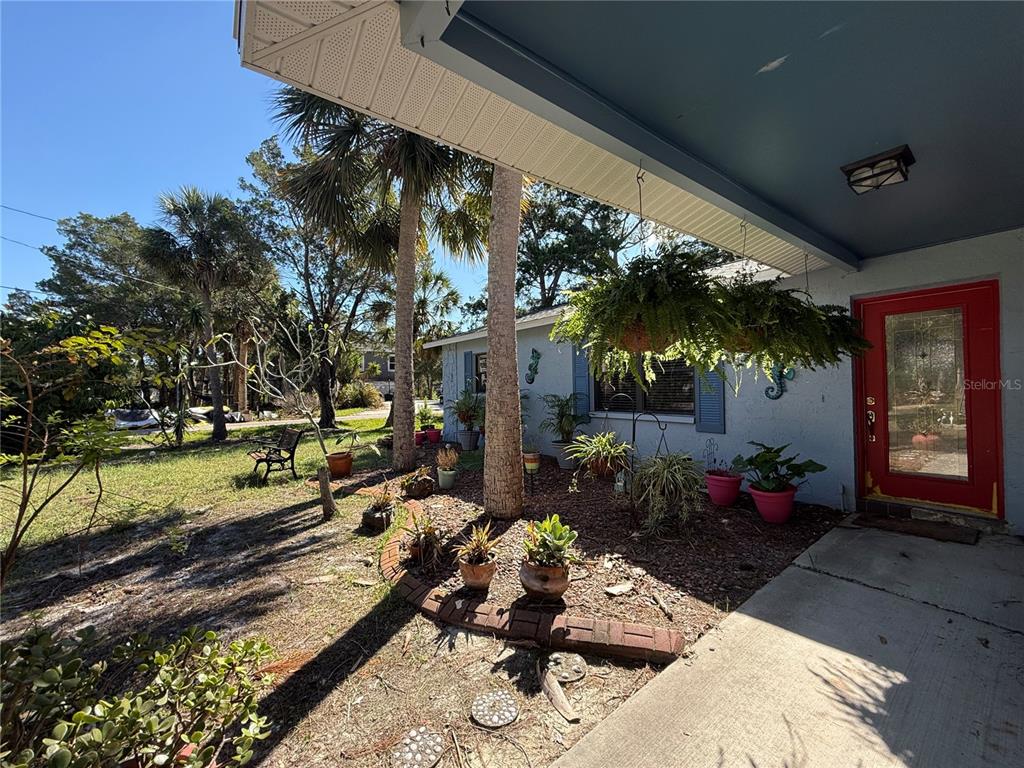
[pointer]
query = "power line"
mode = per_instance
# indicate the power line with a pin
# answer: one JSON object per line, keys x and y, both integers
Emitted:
{"x": 29, "y": 213}
{"x": 109, "y": 270}
{"x": 26, "y": 290}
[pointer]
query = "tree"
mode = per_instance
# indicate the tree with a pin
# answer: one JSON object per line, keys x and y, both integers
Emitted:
{"x": 431, "y": 179}
{"x": 205, "y": 246}
{"x": 337, "y": 271}
{"x": 503, "y": 458}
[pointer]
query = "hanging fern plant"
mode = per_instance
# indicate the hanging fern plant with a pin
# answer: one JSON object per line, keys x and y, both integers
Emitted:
{"x": 668, "y": 307}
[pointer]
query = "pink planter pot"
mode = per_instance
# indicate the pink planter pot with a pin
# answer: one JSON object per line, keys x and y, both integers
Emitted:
{"x": 774, "y": 507}
{"x": 434, "y": 435}
{"x": 420, "y": 437}
{"x": 723, "y": 489}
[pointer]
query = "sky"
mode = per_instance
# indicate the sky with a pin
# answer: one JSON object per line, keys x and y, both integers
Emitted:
{"x": 104, "y": 105}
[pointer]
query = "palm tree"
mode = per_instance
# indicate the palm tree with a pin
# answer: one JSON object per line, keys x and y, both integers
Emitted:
{"x": 503, "y": 462}
{"x": 205, "y": 245}
{"x": 355, "y": 150}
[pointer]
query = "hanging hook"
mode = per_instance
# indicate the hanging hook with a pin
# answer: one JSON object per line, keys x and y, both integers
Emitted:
{"x": 641, "y": 177}
{"x": 743, "y": 231}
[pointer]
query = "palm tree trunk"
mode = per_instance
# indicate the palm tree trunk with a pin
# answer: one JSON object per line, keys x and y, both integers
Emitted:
{"x": 325, "y": 387}
{"x": 503, "y": 455}
{"x": 402, "y": 408}
{"x": 220, "y": 427}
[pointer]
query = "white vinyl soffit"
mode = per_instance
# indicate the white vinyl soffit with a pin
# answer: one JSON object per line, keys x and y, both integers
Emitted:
{"x": 350, "y": 52}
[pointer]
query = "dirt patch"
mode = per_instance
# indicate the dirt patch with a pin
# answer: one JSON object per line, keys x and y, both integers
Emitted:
{"x": 699, "y": 572}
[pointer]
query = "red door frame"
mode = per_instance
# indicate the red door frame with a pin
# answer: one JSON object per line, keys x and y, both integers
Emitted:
{"x": 979, "y": 302}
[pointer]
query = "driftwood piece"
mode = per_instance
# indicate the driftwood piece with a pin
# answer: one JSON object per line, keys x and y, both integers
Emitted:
{"x": 553, "y": 690}
{"x": 323, "y": 476}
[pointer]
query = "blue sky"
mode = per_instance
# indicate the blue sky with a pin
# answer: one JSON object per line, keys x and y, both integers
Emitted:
{"x": 105, "y": 105}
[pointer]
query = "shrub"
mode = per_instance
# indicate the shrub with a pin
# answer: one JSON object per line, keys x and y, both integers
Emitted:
{"x": 549, "y": 542}
{"x": 201, "y": 697}
{"x": 425, "y": 417}
{"x": 360, "y": 394}
{"x": 666, "y": 487}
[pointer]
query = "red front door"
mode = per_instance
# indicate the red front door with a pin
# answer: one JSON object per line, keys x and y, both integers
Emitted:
{"x": 928, "y": 395}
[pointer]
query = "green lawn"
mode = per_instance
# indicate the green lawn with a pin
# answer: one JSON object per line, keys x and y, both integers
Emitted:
{"x": 144, "y": 482}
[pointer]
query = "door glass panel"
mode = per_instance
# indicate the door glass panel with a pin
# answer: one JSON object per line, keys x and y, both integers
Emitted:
{"x": 927, "y": 409}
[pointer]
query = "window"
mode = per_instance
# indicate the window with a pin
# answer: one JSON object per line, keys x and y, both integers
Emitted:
{"x": 480, "y": 371}
{"x": 671, "y": 392}
{"x": 391, "y": 363}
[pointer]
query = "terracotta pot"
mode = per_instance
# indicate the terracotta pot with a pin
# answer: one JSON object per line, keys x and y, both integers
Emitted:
{"x": 340, "y": 464}
{"x": 478, "y": 576}
{"x": 433, "y": 435}
{"x": 774, "y": 506}
{"x": 468, "y": 439}
{"x": 723, "y": 488}
{"x": 745, "y": 340}
{"x": 420, "y": 437}
{"x": 601, "y": 468}
{"x": 544, "y": 582}
{"x": 531, "y": 461}
{"x": 377, "y": 521}
{"x": 924, "y": 442}
{"x": 446, "y": 479}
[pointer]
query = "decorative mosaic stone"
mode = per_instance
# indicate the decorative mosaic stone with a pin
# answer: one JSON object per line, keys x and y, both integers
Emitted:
{"x": 567, "y": 667}
{"x": 494, "y": 709}
{"x": 419, "y": 749}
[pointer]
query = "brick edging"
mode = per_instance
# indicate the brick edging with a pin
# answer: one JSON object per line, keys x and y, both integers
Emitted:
{"x": 603, "y": 637}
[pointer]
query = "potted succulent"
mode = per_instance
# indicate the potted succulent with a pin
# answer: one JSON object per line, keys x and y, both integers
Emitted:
{"x": 425, "y": 417}
{"x": 381, "y": 509}
{"x": 531, "y": 456}
{"x": 424, "y": 542}
{"x": 544, "y": 572}
{"x": 476, "y": 558}
{"x": 602, "y": 455}
{"x": 447, "y": 461}
{"x": 562, "y": 421}
{"x": 467, "y": 409}
{"x": 773, "y": 479}
{"x": 340, "y": 462}
{"x": 418, "y": 484}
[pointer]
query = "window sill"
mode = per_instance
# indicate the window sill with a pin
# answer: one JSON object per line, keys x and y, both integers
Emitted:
{"x": 664, "y": 418}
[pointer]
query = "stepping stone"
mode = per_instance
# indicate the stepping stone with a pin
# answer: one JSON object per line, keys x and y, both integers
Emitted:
{"x": 419, "y": 749}
{"x": 494, "y": 709}
{"x": 567, "y": 667}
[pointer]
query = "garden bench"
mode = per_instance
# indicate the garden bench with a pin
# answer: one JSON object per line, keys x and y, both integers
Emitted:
{"x": 277, "y": 455}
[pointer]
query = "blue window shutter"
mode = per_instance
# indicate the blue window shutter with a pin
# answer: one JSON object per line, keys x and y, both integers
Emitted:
{"x": 709, "y": 391}
{"x": 470, "y": 373}
{"x": 581, "y": 380}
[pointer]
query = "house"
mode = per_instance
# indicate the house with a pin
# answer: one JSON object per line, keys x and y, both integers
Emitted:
{"x": 383, "y": 365}
{"x": 869, "y": 151}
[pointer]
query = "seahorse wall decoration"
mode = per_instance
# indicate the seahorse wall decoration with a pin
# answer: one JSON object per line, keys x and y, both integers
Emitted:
{"x": 780, "y": 376}
{"x": 531, "y": 370}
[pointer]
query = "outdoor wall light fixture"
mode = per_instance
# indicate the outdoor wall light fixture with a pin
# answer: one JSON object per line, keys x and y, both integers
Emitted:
{"x": 883, "y": 169}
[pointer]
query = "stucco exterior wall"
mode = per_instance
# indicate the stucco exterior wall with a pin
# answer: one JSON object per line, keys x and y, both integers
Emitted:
{"x": 816, "y": 414}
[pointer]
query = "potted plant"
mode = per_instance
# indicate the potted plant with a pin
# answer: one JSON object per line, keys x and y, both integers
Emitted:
{"x": 378, "y": 514}
{"x": 531, "y": 456}
{"x": 476, "y": 558}
{"x": 602, "y": 455}
{"x": 666, "y": 487}
{"x": 722, "y": 480}
{"x": 773, "y": 479}
{"x": 562, "y": 421}
{"x": 447, "y": 461}
{"x": 925, "y": 437}
{"x": 424, "y": 544}
{"x": 418, "y": 484}
{"x": 467, "y": 410}
{"x": 544, "y": 572}
{"x": 425, "y": 417}
{"x": 340, "y": 462}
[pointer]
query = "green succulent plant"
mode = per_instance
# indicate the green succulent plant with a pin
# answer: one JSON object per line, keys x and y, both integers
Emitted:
{"x": 549, "y": 542}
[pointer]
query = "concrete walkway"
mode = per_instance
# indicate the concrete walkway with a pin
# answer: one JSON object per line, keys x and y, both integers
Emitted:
{"x": 873, "y": 649}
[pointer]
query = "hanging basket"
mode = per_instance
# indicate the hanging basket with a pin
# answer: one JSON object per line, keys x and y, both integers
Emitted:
{"x": 745, "y": 340}
{"x": 636, "y": 339}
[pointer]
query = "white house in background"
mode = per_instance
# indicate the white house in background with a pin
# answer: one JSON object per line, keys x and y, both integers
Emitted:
{"x": 758, "y": 134}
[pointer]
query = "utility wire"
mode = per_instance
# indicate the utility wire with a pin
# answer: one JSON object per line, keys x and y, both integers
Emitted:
{"x": 26, "y": 290}
{"x": 28, "y": 213}
{"x": 108, "y": 270}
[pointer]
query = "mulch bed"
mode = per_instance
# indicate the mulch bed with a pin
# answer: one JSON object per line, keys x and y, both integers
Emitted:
{"x": 701, "y": 571}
